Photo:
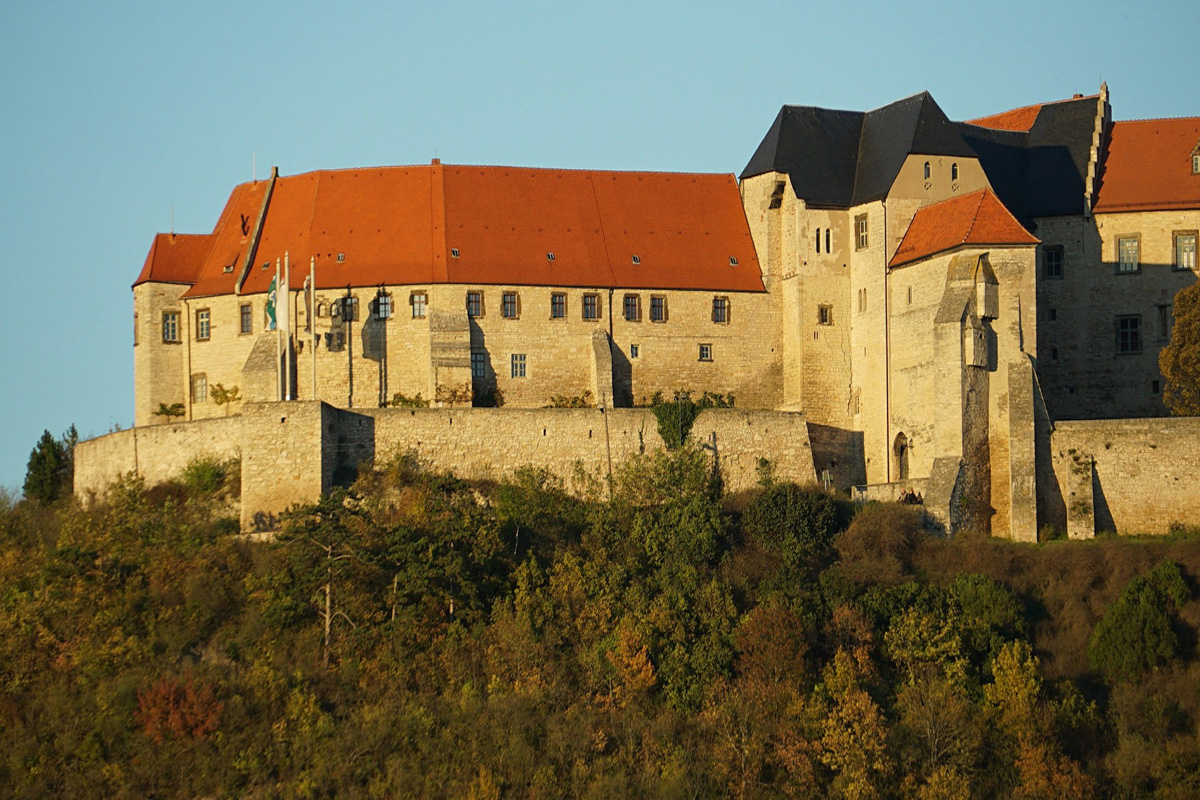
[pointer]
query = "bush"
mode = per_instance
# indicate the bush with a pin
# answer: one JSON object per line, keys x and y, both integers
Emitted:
{"x": 1135, "y": 632}
{"x": 878, "y": 546}
{"x": 676, "y": 417}
{"x": 207, "y": 475}
{"x": 793, "y": 522}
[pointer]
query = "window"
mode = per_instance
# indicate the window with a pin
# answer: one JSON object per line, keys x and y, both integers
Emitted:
{"x": 199, "y": 389}
{"x": 518, "y": 365}
{"x": 658, "y": 308}
{"x": 1185, "y": 250}
{"x": 633, "y": 308}
{"x": 1129, "y": 334}
{"x": 170, "y": 326}
{"x": 350, "y": 308}
{"x": 1054, "y": 354}
{"x": 558, "y": 305}
{"x": 720, "y": 310}
{"x": 418, "y": 301}
{"x": 203, "y": 325}
{"x": 706, "y": 352}
{"x": 862, "y": 240}
{"x": 862, "y": 299}
{"x": 591, "y": 306}
{"x": 1154, "y": 387}
{"x": 1164, "y": 322}
{"x": 246, "y": 314}
{"x": 633, "y": 351}
{"x": 818, "y": 242}
{"x": 824, "y": 315}
{"x": 910, "y": 295}
{"x": 1052, "y": 261}
{"x": 1127, "y": 254}
{"x": 510, "y": 305}
{"x": 474, "y": 304}
{"x": 135, "y": 329}
{"x": 954, "y": 172}
{"x": 827, "y": 240}
{"x": 1052, "y": 314}
{"x": 478, "y": 364}
{"x": 928, "y": 171}
{"x": 777, "y": 195}
{"x": 383, "y": 305}
{"x": 1196, "y": 163}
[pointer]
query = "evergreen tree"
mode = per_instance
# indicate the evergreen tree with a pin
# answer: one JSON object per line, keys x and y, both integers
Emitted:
{"x": 44, "y": 475}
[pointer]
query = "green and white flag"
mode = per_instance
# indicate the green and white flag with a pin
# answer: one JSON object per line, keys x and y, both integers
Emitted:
{"x": 272, "y": 293}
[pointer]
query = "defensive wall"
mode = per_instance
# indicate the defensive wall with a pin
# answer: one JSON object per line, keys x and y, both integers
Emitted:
{"x": 292, "y": 452}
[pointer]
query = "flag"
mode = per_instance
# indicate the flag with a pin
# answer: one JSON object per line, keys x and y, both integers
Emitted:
{"x": 272, "y": 293}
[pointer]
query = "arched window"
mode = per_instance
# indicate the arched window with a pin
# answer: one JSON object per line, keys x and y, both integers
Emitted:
{"x": 827, "y": 240}
{"x": 818, "y": 244}
{"x": 928, "y": 171}
{"x": 900, "y": 450}
{"x": 954, "y": 172}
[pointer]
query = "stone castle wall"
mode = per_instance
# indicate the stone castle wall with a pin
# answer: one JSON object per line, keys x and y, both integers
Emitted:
{"x": 157, "y": 453}
{"x": 1128, "y": 476}
{"x": 293, "y": 452}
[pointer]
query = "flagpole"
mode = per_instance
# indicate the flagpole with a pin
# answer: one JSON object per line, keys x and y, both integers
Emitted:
{"x": 312, "y": 318}
{"x": 287, "y": 326}
{"x": 278, "y": 340}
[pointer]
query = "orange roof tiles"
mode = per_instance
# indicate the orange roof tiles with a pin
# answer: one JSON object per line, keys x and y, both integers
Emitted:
{"x": 403, "y": 225}
{"x": 175, "y": 258}
{"x": 1149, "y": 166}
{"x": 1018, "y": 119}
{"x": 975, "y": 219}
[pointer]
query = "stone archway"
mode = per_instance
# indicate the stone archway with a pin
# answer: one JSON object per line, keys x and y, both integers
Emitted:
{"x": 900, "y": 449}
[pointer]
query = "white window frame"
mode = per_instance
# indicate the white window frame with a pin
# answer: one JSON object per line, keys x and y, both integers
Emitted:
{"x": 519, "y": 365}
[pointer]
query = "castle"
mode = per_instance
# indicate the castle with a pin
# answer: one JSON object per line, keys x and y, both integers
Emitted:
{"x": 972, "y": 310}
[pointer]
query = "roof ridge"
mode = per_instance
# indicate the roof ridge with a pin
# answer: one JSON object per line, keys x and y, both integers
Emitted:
{"x": 975, "y": 215}
{"x": 1156, "y": 119}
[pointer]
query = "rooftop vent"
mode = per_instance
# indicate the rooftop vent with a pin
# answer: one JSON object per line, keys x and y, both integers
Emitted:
{"x": 549, "y": 256}
{"x": 733, "y": 261}
{"x": 454, "y": 252}
{"x": 341, "y": 257}
{"x": 637, "y": 259}
{"x": 228, "y": 268}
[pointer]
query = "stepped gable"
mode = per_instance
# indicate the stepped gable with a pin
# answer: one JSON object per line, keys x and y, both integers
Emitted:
{"x": 175, "y": 258}
{"x": 845, "y": 158}
{"x": 1036, "y": 157}
{"x": 1148, "y": 166}
{"x": 488, "y": 226}
{"x": 978, "y": 219}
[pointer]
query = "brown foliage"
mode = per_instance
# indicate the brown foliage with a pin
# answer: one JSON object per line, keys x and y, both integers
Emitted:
{"x": 878, "y": 546}
{"x": 186, "y": 709}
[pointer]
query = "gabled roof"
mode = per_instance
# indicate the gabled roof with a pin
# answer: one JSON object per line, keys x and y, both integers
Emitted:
{"x": 175, "y": 258}
{"x": 1149, "y": 166}
{"x": 977, "y": 219}
{"x": 488, "y": 225}
{"x": 844, "y": 158}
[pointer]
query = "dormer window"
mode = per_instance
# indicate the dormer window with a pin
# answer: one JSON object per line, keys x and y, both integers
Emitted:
{"x": 1196, "y": 162}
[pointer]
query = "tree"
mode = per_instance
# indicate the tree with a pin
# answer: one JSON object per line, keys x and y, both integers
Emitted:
{"x": 225, "y": 397}
{"x": 1135, "y": 632}
{"x": 48, "y": 472}
{"x": 1180, "y": 360}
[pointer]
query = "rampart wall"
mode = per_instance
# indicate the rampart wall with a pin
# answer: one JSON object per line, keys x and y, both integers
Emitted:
{"x": 156, "y": 453}
{"x": 1130, "y": 476}
{"x": 292, "y": 452}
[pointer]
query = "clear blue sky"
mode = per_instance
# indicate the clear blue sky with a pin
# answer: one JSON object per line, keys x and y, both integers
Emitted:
{"x": 112, "y": 114}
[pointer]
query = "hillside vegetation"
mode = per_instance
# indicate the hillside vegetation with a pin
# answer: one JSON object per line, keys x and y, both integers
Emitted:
{"x": 419, "y": 636}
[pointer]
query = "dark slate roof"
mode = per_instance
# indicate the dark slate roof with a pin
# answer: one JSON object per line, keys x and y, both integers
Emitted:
{"x": 844, "y": 158}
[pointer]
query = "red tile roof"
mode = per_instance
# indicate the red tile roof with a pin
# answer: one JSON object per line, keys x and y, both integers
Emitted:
{"x": 401, "y": 225}
{"x": 977, "y": 219}
{"x": 1018, "y": 119}
{"x": 1148, "y": 166}
{"x": 175, "y": 258}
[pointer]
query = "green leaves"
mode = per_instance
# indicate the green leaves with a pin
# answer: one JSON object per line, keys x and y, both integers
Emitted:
{"x": 1135, "y": 634}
